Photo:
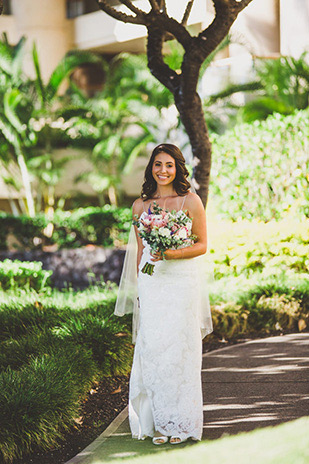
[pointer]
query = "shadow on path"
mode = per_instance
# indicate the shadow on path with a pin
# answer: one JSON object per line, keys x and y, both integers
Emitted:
{"x": 255, "y": 384}
{"x": 246, "y": 386}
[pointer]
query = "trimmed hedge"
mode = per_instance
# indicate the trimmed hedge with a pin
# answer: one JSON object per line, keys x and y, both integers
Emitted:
{"x": 260, "y": 306}
{"x": 107, "y": 226}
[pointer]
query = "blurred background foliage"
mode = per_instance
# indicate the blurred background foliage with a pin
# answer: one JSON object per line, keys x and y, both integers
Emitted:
{"x": 114, "y": 125}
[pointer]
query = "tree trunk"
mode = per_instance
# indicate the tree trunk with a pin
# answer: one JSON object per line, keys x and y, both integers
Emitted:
{"x": 188, "y": 104}
{"x": 192, "y": 117}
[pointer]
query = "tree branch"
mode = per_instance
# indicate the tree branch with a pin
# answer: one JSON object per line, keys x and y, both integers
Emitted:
{"x": 241, "y": 4}
{"x": 105, "y": 6}
{"x": 230, "y": 5}
{"x": 158, "y": 68}
{"x": 133, "y": 8}
{"x": 163, "y": 6}
{"x": 226, "y": 13}
{"x": 154, "y": 5}
{"x": 187, "y": 13}
{"x": 168, "y": 24}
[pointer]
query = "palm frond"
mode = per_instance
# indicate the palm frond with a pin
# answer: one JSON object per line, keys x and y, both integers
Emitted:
{"x": 262, "y": 107}
{"x": 232, "y": 89}
{"x": 11, "y": 101}
{"x": 67, "y": 66}
{"x": 138, "y": 147}
{"x": 39, "y": 81}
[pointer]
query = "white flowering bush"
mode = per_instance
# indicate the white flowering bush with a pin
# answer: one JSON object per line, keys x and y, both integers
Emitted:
{"x": 260, "y": 170}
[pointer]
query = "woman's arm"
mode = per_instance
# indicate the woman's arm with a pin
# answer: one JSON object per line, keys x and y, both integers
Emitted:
{"x": 197, "y": 212}
{"x": 137, "y": 208}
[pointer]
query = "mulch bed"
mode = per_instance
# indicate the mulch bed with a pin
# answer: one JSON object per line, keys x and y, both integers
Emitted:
{"x": 103, "y": 403}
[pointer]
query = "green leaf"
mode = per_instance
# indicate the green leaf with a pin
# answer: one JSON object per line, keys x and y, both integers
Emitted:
{"x": 135, "y": 152}
{"x": 38, "y": 82}
{"x": 67, "y": 66}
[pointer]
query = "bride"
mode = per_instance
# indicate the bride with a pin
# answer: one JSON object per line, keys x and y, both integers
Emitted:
{"x": 172, "y": 313}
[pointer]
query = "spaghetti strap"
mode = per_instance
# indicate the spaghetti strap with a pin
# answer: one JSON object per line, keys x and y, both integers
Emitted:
{"x": 143, "y": 205}
{"x": 183, "y": 202}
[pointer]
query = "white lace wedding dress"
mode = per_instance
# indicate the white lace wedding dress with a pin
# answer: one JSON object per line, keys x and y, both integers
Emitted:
{"x": 165, "y": 391}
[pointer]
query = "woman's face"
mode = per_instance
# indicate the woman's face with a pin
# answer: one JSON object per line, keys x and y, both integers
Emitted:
{"x": 164, "y": 169}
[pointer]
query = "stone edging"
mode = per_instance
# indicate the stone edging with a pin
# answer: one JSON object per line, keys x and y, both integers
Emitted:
{"x": 89, "y": 450}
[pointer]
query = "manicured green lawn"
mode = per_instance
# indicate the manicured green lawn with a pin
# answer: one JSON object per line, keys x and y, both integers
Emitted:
{"x": 283, "y": 444}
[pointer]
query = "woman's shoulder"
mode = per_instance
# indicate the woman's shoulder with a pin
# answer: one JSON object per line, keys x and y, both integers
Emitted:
{"x": 137, "y": 206}
{"x": 194, "y": 202}
{"x": 193, "y": 198}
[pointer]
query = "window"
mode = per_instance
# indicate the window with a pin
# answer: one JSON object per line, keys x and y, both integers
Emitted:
{"x": 81, "y": 7}
{"x": 7, "y": 9}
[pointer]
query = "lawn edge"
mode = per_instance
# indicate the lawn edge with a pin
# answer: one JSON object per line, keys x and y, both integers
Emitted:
{"x": 110, "y": 429}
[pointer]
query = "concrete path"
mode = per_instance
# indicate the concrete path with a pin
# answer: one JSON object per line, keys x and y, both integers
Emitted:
{"x": 246, "y": 386}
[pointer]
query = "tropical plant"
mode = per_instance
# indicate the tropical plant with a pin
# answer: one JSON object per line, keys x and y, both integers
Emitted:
{"x": 281, "y": 86}
{"x": 46, "y": 115}
{"x": 112, "y": 122}
{"x": 15, "y": 134}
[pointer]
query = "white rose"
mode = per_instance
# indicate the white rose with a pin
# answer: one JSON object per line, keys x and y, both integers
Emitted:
{"x": 181, "y": 233}
{"x": 147, "y": 221}
{"x": 164, "y": 231}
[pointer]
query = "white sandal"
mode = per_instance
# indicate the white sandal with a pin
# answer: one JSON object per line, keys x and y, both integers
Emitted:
{"x": 163, "y": 437}
{"x": 179, "y": 440}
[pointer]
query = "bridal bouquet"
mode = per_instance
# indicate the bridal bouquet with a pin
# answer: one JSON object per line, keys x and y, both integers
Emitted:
{"x": 162, "y": 230}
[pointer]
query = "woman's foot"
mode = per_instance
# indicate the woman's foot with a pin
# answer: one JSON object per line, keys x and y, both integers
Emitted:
{"x": 174, "y": 440}
{"x": 159, "y": 439}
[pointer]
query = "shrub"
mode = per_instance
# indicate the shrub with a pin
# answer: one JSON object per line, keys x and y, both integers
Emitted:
{"x": 23, "y": 228}
{"x": 39, "y": 401}
{"x": 107, "y": 226}
{"x": 260, "y": 305}
{"x": 108, "y": 340}
{"x": 53, "y": 346}
{"x": 260, "y": 169}
{"x": 243, "y": 247}
{"x": 23, "y": 274}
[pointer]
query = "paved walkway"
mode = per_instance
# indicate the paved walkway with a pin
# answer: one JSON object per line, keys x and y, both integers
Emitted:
{"x": 246, "y": 386}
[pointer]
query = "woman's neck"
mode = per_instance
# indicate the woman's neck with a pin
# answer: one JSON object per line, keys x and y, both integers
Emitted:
{"x": 164, "y": 193}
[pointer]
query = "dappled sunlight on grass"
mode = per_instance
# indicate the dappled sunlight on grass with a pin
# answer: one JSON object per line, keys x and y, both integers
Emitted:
{"x": 284, "y": 444}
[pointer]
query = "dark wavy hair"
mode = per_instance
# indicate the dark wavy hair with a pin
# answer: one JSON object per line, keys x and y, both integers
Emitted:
{"x": 180, "y": 183}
